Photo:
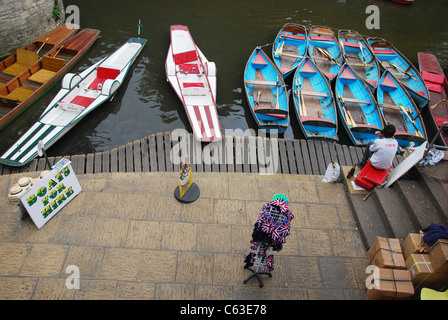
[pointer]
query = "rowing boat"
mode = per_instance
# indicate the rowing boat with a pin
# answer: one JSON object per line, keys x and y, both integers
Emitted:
{"x": 80, "y": 95}
{"x": 24, "y": 57}
{"x": 324, "y": 50}
{"x": 266, "y": 92}
{"x": 193, "y": 78}
{"x": 399, "y": 109}
{"x": 25, "y": 89}
{"x": 360, "y": 57}
{"x": 314, "y": 103}
{"x": 357, "y": 107}
{"x": 401, "y": 68}
{"x": 435, "y": 79}
{"x": 289, "y": 48}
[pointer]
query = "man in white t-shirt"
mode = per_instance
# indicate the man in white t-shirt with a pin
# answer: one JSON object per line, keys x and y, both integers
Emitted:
{"x": 381, "y": 152}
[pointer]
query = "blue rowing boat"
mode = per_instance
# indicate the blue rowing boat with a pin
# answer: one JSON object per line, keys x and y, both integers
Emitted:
{"x": 324, "y": 50}
{"x": 289, "y": 48}
{"x": 357, "y": 107}
{"x": 266, "y": 92}
{"x": 314, "y": 102}
{"x": 399, "y": 109}
{"x": 360, "y": 57}
{"x": 401, "y": 68}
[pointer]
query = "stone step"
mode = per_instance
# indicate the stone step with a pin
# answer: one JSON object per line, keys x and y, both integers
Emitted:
{"x": 394, "y": 212}
{"x": 417, "y": 200}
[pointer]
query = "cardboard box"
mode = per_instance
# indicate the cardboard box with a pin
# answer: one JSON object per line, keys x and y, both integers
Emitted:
{"x": 423, "y": 274}
{"x": 391, "y": 284}
{"x": 438, "y": 254}
{"x": 386, "y": 253}
{"x": 413, "y": 244}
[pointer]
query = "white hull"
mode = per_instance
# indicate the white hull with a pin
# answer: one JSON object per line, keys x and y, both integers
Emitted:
{"x": 193, "y": 78}
{"x": 80, "y": 94}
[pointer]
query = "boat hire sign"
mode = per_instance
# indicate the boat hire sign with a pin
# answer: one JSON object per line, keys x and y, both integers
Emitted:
{"x": 48, "y": 196}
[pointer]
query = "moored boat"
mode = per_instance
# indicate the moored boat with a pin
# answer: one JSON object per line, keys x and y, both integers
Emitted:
{"x": 437, "y": 111}
{"x": 401, "y": 68}
{"x": 266, "y": 92}
{"x": 324, "y": 50}
{"x": 314, "y": 102}
{"x": 357, "y": 107}
{"x": 25, "y": 89}
{"x": 399, "y": 109}
{"x": 23, "y": 58}
{"x": 193, "y": 78}
{"x": 80, "y": 95}
{"x": 360, "y": 57}
{"x": 289, "y": 47}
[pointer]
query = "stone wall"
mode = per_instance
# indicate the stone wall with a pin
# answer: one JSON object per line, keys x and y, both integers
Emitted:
{"x": 23, "y": 21}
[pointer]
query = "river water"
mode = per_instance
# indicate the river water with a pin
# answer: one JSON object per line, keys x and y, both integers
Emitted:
{"x": 227, "y": 32}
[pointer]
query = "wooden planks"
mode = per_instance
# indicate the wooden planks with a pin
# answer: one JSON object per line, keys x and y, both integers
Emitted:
{"x": 165, "y": 151}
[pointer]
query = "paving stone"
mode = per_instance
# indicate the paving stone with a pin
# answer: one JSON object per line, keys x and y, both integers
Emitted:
{"x": 12, "y": 257}
{"x": 74, "y": 230}
{"x": 144, "y": 234}
{"x": 178, "y": 236}
{"x": 194, "y": 268}
{"x": 120, "y": 264}
{"x": 157, "y": 266}
{"x": 52, "y": 289}
{"x": 323, "y": 216}
{"x": 44, "y": 260}
{"x": 87, "y": 258}
{"x": 109, "y": 232}
{"x": 17, "y": 288}
{"x": 130, "y": 290}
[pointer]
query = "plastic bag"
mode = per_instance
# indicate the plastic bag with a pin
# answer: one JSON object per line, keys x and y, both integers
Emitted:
{"x": 332, "y": 173}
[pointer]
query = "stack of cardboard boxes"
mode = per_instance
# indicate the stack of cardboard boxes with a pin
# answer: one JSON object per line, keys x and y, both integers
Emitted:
{"x": 403, "y": 270}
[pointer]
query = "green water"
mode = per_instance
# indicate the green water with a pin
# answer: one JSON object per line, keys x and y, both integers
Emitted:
{"x": 227, "y": 32}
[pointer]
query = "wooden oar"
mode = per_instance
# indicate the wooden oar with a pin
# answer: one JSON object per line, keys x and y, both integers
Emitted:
{"x": 258, "y": 98}
{"x": 42, "y": 45}
{"x": 407, "y": 73}
{"x": 412, "y": 121}
{"x": 279, "y": 50}
{"x": 347, "y": 113}
{"x": 302, "y": 107}
{"x": 58, "y": 51}
{"x": 435, "y": 105}
{"x": 363, "y": 57}
{"x": 327, "y": 55}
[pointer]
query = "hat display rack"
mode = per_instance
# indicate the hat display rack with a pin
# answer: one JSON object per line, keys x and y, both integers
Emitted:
{"x": 269, "y": 234}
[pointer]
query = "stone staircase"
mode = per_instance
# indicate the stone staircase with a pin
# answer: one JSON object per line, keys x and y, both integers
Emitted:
{"x": 412, "y": 203}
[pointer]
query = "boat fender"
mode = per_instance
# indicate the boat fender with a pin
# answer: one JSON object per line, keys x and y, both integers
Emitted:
{"x": 109, "y": 87}
{"x": 70, "y": 81}
{"x": 210, "y": 69}
{"x": 170, "y": 69}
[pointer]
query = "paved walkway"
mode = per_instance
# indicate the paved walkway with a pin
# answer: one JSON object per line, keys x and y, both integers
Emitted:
{"x": 131, "y": 239}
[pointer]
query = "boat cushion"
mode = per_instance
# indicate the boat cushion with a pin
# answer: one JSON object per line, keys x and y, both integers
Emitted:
{"x": 372, "y": 82}
{"x": 190, "y": 68}
{"x": 350, "y": 44}
{"x": 102, "y": 74}
{"x": 184, "y": 57}
{"x": 25, "y": 58}
{"x": 19, "y": 94}
{"x": 42, "y": 76}
{"x": 436, "y": 87}
{"x": 433, "y": 77}
{"x": 440, "y": 120}
{"x": 346, "y": 74}
{"x": 321, "y": 38}
{"x": 193, "y": 85}
{"x": 383, "y": 51}
{"x": 82, "y": 101}
{"x": 259, "y": 61}
{"x": 292, "y": 36}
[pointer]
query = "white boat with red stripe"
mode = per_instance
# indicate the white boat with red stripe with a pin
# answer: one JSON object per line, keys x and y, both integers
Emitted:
{"x": 193, "y": 78}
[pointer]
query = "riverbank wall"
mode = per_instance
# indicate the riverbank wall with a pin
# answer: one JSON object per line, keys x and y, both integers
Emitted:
{"x": 23, "y": 21}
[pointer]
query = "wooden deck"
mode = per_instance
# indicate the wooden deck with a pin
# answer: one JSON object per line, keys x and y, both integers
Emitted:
{"x": 164, "y": 152}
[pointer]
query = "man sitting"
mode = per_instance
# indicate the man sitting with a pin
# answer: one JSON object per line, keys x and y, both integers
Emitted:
{"x": 381, "y": 152}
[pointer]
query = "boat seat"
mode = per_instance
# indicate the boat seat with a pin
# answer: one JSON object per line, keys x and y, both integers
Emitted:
{"x": 433, "y": 77}
{"x": 82, "y": 101}
{"x": 308, "y": 68}
{"x": 370, "y": 177}
{"x": 19, "y": 94}
{"x": 383, "y": 51}
{"x": 50, "y": 66}
{"x": 25, "y": 58}
{"x": 191, "y": 68}
{"x": 315, "y": 94}
{"x": 259, "y": 62}
{"x": 184, "y": 57}
{"x": 372, "y": 82}
{"x": 316, "y": 121}
{"x": 347, "y": 75}
{"x": 194, "y": 89}
{"x": 102, "y": 74}
{"x": 292, "y": 36}
{"x": 321, "y": 38}
{"x": 263, "y": 82}
{"x": 350, "y": 44}
{"x": 388, "y": 83}
{"x": 353, "y": 100}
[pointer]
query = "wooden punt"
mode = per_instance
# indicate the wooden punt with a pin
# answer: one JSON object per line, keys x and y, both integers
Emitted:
{"x": 20, "y": 92}
{"x": 23, "y": 58}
